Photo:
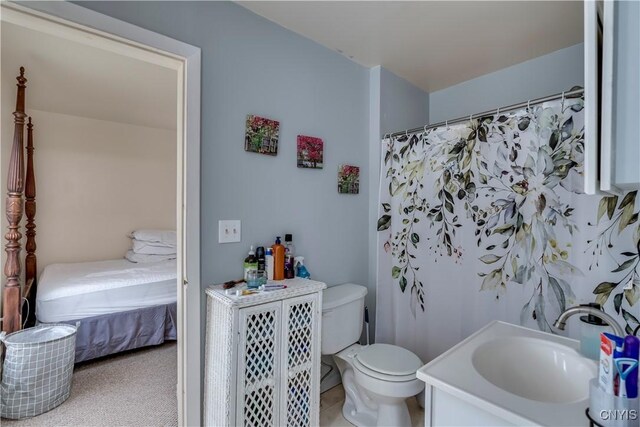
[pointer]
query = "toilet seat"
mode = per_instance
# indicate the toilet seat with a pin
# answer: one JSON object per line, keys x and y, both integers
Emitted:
{"x": 387, "y": 362}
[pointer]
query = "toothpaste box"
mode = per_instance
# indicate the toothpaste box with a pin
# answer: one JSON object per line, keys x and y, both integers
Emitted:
{"x": 606, "y": 370}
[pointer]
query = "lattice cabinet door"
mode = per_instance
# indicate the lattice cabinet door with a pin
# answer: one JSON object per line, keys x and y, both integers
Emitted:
{"x": 258, "y": 380}
{"x": 300, "y": 360}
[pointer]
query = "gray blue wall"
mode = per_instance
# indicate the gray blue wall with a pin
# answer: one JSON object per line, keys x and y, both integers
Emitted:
{"x": 394, "y": 104}
{"x": 546, "y": 75}
{"x": 252, "y": 66}
{"x": 402, "y": 105}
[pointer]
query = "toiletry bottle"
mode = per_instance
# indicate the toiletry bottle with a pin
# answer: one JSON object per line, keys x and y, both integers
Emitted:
{"x": 250, "y": 262}
{"x": 590, "y": 329}
{"x": 269, "y": 263}
{"x": 289, "y": 270}
{"x": 260, "y": 256}
{"x": 278, "y": 260}
{"x": 301, "y": 270}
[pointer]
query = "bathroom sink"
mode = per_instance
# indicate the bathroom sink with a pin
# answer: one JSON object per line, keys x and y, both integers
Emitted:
{"x": 506, "y": 374}
{"x": 535, "y": 369}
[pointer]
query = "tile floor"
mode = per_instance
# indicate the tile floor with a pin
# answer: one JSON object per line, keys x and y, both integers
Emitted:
{"x": 331, "y": 402}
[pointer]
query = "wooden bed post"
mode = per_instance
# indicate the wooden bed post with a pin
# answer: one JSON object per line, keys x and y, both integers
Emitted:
{"x": 15, "y": 182}
{"x": 31, "y": 264}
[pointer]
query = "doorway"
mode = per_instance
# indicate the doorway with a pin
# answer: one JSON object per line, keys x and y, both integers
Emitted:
{"x": 72, "y": 22}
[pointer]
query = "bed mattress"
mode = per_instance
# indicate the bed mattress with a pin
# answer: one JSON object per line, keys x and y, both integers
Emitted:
{"x": 79, "y": 290}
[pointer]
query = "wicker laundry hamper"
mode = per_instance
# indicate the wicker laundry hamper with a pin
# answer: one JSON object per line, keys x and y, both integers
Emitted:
{"x": 37, "y": 370}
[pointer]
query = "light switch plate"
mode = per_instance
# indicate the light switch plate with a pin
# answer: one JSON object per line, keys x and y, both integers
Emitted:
{"x": 229, "y": 231}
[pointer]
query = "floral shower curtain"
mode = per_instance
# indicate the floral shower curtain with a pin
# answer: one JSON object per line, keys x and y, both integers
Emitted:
{"x": 485, "y": 220}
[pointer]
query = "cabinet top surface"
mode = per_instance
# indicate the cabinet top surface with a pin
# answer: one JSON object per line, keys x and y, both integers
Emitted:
{"x": 294, "y": 287}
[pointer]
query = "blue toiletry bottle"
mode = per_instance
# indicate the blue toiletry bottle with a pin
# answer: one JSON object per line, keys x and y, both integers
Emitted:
{"x": 301, "y": 270}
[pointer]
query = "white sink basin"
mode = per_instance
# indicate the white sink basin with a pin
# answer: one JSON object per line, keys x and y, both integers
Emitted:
{"x": 535, "y": 369}
{"x": 509, "y": 375}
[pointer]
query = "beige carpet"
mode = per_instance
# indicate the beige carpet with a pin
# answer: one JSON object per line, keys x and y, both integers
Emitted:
{"x": 136, "y": 388}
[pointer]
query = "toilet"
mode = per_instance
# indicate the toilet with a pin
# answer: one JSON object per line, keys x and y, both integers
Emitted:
{"x": 377, "y": 378}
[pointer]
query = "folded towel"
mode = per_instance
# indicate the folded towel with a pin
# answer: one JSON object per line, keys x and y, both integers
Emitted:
{"x": 166, "y": 237}
{"x": 151, "y": 248}
{"x": 145, "y": 258}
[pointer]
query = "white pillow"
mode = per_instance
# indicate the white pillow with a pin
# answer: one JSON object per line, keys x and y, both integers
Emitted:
{"x": 151, "y": 248}
{"x": 144, "y": 258}
{"x": 168, "y": 237}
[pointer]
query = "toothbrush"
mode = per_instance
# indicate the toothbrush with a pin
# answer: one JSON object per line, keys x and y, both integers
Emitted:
{"x": 268, "y": 288}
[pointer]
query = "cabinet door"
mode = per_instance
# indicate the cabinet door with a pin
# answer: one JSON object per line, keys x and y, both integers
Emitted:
{"x": 258, "y": 383}
{"x": 621, "y": 97}
{"x": 301, "y": 361}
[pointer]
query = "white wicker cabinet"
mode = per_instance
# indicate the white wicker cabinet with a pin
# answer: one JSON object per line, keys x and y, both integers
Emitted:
{"x": 262, "y": 357}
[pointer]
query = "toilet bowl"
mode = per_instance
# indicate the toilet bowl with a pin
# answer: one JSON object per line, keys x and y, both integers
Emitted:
{"x": 378, "y": 378}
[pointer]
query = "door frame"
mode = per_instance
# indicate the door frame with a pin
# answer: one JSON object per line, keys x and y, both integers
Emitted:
{"x": 153, "y": 47}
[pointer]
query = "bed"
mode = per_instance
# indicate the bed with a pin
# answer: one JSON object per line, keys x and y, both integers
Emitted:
{"x": 117, "y": 305}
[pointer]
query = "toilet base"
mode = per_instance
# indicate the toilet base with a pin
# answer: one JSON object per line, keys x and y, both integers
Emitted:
{"x": 358, "y": 418}
{"x": 358, "y": 408}
{"x": 363, "y": 407}
{"x": 392, "y": 411}
{"x": 393, "y": 415}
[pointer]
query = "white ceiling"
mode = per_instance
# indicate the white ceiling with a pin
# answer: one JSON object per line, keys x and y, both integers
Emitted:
{"x": 433, "y": 44}
{"x": 67, "y": 77}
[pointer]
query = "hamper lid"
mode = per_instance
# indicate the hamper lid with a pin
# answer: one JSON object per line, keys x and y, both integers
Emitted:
{"x": 40, "y": 334}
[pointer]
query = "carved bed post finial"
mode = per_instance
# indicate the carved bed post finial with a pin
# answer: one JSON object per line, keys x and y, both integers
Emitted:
{"x": 30, "y": 262}
{"x": 15, "y": 182}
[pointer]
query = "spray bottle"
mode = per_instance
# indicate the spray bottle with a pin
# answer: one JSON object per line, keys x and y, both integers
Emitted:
{"x": 301, "y": 270}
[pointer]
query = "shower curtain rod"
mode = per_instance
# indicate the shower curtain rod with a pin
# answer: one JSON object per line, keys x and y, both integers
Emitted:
{"x": 569, "y": 94}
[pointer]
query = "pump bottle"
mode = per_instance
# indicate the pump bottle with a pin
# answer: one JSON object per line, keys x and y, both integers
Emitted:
{"x": 278, "y": 260}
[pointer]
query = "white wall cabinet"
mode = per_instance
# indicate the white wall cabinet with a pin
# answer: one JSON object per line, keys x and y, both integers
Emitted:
{"x": 612, "y": 96}
{"x": 262, "y": 356}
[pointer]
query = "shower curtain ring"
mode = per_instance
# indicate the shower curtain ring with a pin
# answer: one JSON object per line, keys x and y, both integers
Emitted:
{"x": 446, "y": 123}
{"x": 498, "y": 111}
{"x": 562, "y": 96}
{"x": 528, "y": 105}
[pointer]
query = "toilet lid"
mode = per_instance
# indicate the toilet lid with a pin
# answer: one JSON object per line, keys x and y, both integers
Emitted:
{"x": 389, "y": 359}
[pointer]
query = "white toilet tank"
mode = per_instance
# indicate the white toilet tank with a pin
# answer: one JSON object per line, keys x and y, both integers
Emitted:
{"x": 342, "y": 316}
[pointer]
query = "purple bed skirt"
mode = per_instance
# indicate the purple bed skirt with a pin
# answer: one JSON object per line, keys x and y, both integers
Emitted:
{"x": 112, "y": 333}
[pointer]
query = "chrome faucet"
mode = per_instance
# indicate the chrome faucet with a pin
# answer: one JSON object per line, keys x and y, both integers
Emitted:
{"x": 583, "y": 309}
